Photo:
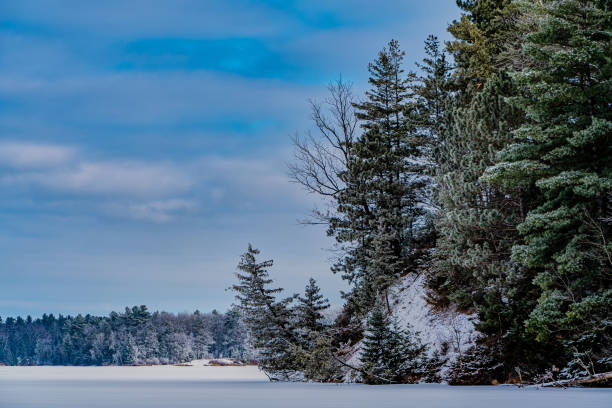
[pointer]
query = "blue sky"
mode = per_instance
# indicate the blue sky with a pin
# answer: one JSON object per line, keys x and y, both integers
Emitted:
{"x": 144, "y": 143}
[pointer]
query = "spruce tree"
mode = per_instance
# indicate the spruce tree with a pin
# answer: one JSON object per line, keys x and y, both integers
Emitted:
{"x": 390, "y": 354}
{"x": 309, "y": 308}
{"x": 268, "y": 320}
{"x": 432, "y": 91}
{"x": 564, "y": 149}
{"x": 379, "y": 207}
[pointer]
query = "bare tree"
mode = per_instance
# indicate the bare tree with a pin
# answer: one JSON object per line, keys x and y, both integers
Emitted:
{"x": 321, "y": 159}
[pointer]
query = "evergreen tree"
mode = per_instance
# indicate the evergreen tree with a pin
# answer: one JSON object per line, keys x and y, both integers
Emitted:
{"x": 564, "y": 149}
{"x": 477, "y": 219}
{"x": 235, "y": 336}
{"x": 268, "y": 320}
{"x": 390, "y": 354}
{"x": 479, "y": 38}
{"x": 218, "y": 336}
{"x": 309, "y": 308}
{"x": 201, "y": 336}
{"x": 133, "y": 337}
{"x": 380, "y": 205}
{"x": 432, "y": 91}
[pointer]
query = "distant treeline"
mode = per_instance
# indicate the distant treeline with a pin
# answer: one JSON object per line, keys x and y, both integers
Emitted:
{"x": 133, "y": 337}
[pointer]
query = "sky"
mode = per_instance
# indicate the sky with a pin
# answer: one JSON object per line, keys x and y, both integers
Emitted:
{"x": 144, "y": 143}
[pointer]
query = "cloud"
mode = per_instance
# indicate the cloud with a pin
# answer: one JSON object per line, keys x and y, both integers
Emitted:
{"x": 158, "y": 191}
{"x": 33, "y": 155}
{"x": 107, "y": 178}
{"x": 160, "y": 211}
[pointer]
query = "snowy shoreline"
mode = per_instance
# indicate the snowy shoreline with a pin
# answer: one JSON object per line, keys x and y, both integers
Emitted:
{"x": 135, "y": 373}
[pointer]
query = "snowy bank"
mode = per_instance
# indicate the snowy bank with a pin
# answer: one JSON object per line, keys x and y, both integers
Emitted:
{"x": 449, "y": 332}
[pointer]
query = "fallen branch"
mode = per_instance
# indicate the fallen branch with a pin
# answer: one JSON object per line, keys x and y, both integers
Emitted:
{"x": 357, "y": 369}
{"x": 573, "y": 382}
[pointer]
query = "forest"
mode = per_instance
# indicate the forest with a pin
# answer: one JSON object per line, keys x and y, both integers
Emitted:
{"x": 487, "y": 172}
{"x": 135, "y": 337}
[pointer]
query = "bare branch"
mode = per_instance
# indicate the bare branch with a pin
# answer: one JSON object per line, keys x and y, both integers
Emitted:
{"x": 321, "y": 159}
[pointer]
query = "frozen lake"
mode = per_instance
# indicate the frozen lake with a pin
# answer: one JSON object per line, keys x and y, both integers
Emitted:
{"x": 236, "y": 387}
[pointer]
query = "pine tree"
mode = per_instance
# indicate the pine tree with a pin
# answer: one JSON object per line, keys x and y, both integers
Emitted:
{"x": 479, "y": 37}
{"x": 128, "y": 350}
{"x": 564, "y": 149}
{"x": 390, "y": 354}
{"x": 475, "y": 224}
{"x": 268, "y": 320}
{"x": 309, "y": 309}
{"x": 432, "y": 91}
{"x": 379, "y": 207}
{"x": 217, "y": 334}
{"x": 477, "y": 219}
{"x": 235, "y": 336}
{"x": 201, "y": 336}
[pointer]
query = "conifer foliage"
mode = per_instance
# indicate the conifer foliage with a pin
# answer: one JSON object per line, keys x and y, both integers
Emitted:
{"x": 291, "y": 340}
{"x": 390, "y": 354}
{"x": 379, "y": 208}
{"x": 564, "y": 149}
{"x": 133, "y": 337}
{"x": 268, "y": 320}
{"x": 489, "y": 172}
{"x": 309, "y": 308}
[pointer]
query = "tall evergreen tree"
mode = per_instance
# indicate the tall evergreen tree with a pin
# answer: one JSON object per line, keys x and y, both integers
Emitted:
{"x": 479, "y": 38}
{"x": 268, "y": 320}
{"x": 565, "y": 150}
{"x": 432, "y": 91}
{"x": 379, "y": 207}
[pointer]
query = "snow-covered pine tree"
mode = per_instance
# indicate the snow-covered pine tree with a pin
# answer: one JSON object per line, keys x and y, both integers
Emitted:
{"x": 215, "y": 346}
{"x": 390, "y": 354}
{"x": 379, "y": 206}
{"x": 235, "y": 336}
{"x": 201, "y": 336}
{"x": 268, "y": 320}
{"x": 565, "y": 150}
{"x": 309, "y": 308}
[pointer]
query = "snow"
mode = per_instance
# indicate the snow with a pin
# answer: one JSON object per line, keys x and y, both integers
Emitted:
{"x": 213, "y": 362}
{"x": 241, "y": 387}
{"x": 436, "y": 328}
{"x": 129, "y": 373}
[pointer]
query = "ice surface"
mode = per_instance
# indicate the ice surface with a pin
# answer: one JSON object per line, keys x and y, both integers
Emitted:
{"x": 238, "y": 387}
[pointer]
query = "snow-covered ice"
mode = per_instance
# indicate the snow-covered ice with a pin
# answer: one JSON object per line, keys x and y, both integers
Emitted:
{"x": 237, "y": 387}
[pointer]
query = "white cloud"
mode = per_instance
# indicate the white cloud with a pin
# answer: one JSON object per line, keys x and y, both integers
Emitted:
{"x": 111, "y": 178}
{"x": 31, "y": 155}
{"x": 154, "y": 190}
{"x": 159, "y": 211}
{"x": 252, "y": 181}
